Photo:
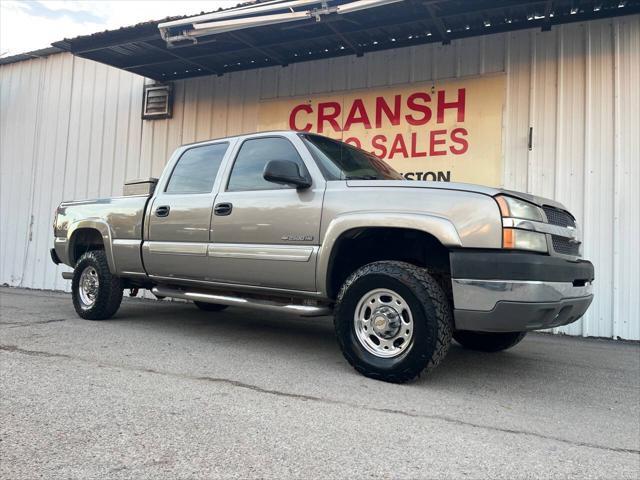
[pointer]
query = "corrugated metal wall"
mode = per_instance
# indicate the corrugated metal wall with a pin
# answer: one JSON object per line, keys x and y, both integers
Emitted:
{"x": 71, "y": 128}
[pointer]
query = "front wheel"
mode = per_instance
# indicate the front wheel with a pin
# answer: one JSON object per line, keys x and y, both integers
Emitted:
{"x": 96, "y": 293}
{"x": 488, "y": 341}
{"x": 393, "y": 321}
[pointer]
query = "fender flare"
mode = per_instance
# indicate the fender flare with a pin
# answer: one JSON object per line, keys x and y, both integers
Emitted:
{"x": 105, "y": 231}
{"x": 439, "y": 227}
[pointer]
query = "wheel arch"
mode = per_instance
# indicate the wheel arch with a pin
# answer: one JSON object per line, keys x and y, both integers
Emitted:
{"x": 90, "y": 234}
{"x": 438, "y": 232}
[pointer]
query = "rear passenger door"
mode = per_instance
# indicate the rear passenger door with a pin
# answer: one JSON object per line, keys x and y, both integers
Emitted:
{"x": 266, "y": 234}
{"x": 180, "y": 215}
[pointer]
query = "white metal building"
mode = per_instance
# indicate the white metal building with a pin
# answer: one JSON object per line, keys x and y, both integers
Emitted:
{"x": 71, "y": 128}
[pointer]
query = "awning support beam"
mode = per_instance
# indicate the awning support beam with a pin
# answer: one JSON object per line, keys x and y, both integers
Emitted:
{"x": 354, "y": 48}
{"x": 442, "y": 30}
{"x": 548, "y": 8}
{"x": 243, "y": 39}
{"x": 182, "y": 58}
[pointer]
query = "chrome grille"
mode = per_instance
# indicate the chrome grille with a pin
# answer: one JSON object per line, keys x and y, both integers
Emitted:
{"x": 565, "y": 246}
{"x": 555, "y": 216}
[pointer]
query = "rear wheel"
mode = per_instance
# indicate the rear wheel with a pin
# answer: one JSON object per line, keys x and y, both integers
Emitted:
{"x": 210, "y": 307}
{"x": 393, "y": 321}
{"x": 96, "y": 293}
{"x": 488, "y": 341}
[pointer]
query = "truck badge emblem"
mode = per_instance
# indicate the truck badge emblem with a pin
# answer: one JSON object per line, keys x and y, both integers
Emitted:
{"x": 297, "y": 238}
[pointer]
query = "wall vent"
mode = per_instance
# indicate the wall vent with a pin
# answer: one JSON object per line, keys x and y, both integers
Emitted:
{"x": 157, "y": 101}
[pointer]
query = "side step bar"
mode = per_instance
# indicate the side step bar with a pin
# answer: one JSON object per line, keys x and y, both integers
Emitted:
{"x": 303, "y": 310}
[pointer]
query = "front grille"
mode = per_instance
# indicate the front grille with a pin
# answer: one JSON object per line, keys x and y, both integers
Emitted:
{"x": 564, "y": 246}
{"x": 555, "y": 216}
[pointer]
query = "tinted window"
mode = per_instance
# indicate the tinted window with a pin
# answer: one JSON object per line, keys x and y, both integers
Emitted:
{"x": 197, "y": 169}
{"x": 252, "y": 158}
{"x": 340, "y": 161}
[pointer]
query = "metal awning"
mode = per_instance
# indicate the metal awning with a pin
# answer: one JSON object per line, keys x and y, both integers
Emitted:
{"x": 205, "y": 44}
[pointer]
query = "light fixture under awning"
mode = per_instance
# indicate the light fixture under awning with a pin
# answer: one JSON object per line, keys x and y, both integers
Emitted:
{"x": 211, "y": 28}
{"x": 250, "y": 16}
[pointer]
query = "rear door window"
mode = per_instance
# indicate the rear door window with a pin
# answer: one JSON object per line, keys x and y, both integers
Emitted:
{"x": 196, "y": 169}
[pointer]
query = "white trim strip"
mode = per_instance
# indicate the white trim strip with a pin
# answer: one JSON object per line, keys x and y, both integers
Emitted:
{"x": 291, "y": 253}
{"x": 177, "y": 248}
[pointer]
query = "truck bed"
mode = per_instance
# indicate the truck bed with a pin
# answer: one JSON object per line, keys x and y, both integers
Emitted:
{"x": 121, "y": 219}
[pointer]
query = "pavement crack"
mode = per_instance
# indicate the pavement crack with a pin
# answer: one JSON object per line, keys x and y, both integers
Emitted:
{"x": 313, "y": 398}
{"x": 33, "y": 293}
{"x": 37, "y": 353}
{"x": 28, "y": 324}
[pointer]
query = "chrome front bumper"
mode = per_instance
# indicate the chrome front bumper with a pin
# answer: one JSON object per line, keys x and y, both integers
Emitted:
{"x": 483, "y": 295}
{"x": 507, "y": 306}
{"x": 494, "y": 291}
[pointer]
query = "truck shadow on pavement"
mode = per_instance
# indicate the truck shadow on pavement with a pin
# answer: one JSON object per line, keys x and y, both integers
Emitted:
{"x": 294, "y": 338}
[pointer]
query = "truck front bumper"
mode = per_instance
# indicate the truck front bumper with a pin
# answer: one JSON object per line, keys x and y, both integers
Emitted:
{"x": 510, "y": 291}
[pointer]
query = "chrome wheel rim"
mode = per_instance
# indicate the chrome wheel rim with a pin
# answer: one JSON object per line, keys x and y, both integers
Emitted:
{"x": 88, "y": 287}
{"x": 383, "y": 323}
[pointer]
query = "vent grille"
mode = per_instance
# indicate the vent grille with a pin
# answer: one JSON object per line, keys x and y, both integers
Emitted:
{"x": 157, "y": 102}
{"x": 565, "y": 246}
{"x": 555, "y": 216}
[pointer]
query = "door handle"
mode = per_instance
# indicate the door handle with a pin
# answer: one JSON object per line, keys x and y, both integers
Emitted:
{"x": 163, "y": 211}
{"x": 223, "y": 209}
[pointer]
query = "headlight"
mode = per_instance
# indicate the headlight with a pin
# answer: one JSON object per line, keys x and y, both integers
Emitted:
{"x": 519, "y": 239}
{"x": 514, "y": 207}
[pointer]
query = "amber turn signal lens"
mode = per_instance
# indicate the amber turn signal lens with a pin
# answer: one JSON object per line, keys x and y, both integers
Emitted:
{"x": 508, "y": 238}
{"x": 504, "y": 206}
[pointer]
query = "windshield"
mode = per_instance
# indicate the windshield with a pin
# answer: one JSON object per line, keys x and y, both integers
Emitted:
{"x": 341, "y": 161}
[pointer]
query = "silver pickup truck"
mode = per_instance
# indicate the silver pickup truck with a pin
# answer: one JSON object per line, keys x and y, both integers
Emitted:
{"x": 300, "y": 223}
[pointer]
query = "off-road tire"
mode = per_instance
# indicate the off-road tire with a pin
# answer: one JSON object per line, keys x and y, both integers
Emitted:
{"x": 431, "y": 312}
{"x": 210, "y": 307}
{"x": 109, "y": 294}
{"x": 488, "y": 341}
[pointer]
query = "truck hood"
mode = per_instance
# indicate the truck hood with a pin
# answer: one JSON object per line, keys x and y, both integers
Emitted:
{"x": 462, "y": 187}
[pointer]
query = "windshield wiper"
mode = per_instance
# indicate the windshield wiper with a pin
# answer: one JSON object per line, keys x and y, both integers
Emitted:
{"x": 362, "y": 177}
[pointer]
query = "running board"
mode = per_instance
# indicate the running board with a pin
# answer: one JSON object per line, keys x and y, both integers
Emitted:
{"x": 303, "y": 310}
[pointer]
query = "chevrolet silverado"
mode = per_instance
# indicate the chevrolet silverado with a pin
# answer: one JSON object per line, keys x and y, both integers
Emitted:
{"x": 296, "y": 222}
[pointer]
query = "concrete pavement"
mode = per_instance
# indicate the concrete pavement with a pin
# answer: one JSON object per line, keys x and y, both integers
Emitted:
{"x": 164, "y": 390}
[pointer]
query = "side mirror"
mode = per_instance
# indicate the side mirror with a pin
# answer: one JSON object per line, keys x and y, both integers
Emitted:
{"x": 285, "y": 172}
